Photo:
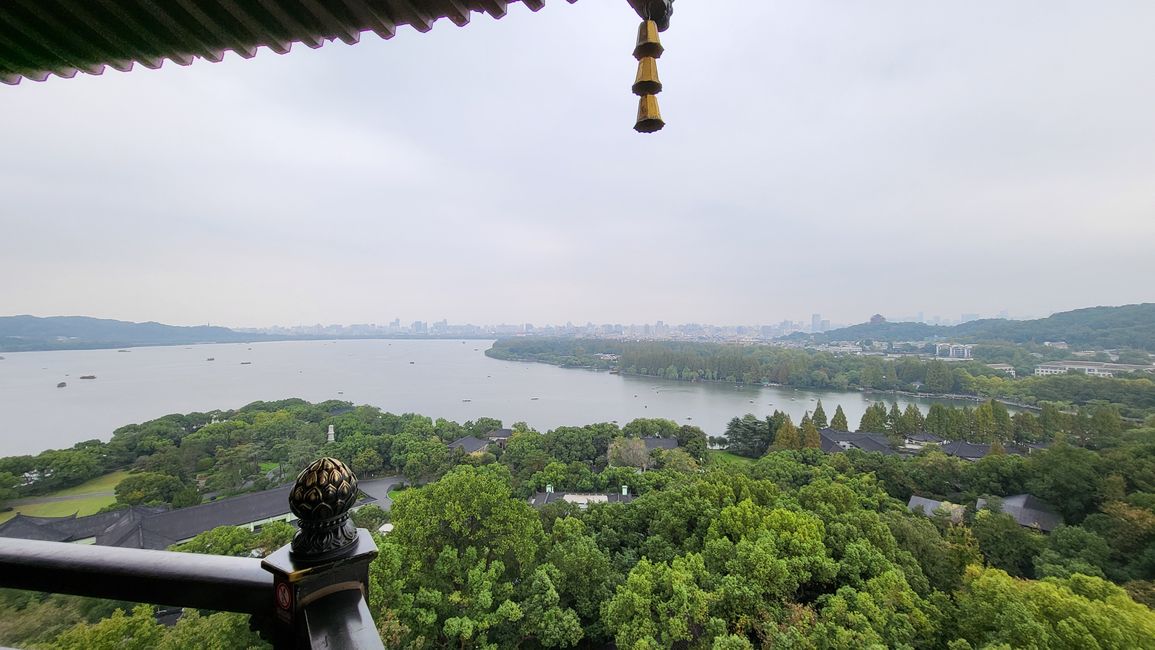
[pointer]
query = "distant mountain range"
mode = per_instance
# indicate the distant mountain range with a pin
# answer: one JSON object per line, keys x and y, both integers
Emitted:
{"x": 24, "y": 333}
{"x": 1098, "y": 328}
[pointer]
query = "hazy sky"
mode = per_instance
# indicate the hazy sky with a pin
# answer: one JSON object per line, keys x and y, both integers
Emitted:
{"x": 820, "y": 156}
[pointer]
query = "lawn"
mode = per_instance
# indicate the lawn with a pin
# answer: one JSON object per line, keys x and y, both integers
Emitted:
{"x": 88, "y": 498}
{"x": 268, "y": 467}
{"x": 724, "y": 457}
{"x": 106, "y": 483}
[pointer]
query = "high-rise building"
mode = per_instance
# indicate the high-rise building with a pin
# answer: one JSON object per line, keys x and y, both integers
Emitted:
{"x": 815, "y": 322}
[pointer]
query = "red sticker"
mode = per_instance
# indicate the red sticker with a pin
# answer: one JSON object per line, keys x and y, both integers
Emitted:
{"x": 284, "y": 596}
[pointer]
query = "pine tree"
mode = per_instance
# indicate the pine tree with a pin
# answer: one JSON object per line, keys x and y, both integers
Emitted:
{"x": 911, "y": 420}
{"x": 820, "y": 416}
{"x": 839, "y": 422}
{"x": 787, "y": 437}
{"x": 893, "y": 417}
{"x": 874, "y": 419}
{"x": 810, "y": 437}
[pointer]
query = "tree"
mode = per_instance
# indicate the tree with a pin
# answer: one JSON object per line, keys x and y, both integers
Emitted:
{"x": 939, "y": 378}
{"x": 938, "y": 420}
{"x": 839, "y": 423}
{"x": 223, "y": 540}
{"x": 370, "y": 517}
{"x": 810, "y": 437}
{"x": 1106, "y": 421}
{"x": 138, "y": 631}
{"x": 222, "y": 630}
{"x": 7, "y": 486}
{"x": 911, "y": 421}
{"x": 585, "y": 574}
{"x": 465, "y": 542}
{"x": 1026, "y": 428}
{"x": 469, "y": 508}
{"x": 995, "y": 610}
{"x": 820, "y": 416}
{"x": 693, "y": 440}
{"x": 1071, "y": 550}
{"x": 873, "y": 419}
{"x": 571, "y": 444}
{"x": 787, "y": 437}
{"x": 629, "y": 452}
{"x": 662, "y": 605}
{"x": 677, "y": 460}
{"x": 1067, "y": 477}
{"x": 893, "y": 418}
{"x": 1006, "y": 544}
{"x": 367, "y": 461}
{"x": 748, "y": 436}
{"x": 148, "y": 488}
{"x": 884, "y": 612}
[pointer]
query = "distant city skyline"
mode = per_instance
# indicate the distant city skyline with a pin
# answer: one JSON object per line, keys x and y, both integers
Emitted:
{"x": 817, "y": 323}
{"x": 795, "y": 323}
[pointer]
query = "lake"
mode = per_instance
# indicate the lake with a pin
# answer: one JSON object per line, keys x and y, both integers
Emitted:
{"x": 450, "y": 379}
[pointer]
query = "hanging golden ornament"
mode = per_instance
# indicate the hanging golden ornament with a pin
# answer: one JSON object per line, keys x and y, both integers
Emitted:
{"x": 649, "y": 44}
{"x": 649, "y": 117}
{"x": 647, "y": 82}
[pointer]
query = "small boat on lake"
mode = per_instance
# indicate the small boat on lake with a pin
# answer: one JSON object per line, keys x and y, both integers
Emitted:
{"x": 62, "y": 384}
{"x": 246, "y": 363}
{"x": 211, "y": 359}
{"x": 88, "y": 376}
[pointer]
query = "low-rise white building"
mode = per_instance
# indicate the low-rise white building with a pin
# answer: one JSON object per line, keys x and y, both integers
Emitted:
{"x": 1093, "y": 368}
{"x": 954, "y": 350}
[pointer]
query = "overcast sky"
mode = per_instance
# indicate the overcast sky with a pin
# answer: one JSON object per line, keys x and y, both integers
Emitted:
{"x": 820, "y": 156}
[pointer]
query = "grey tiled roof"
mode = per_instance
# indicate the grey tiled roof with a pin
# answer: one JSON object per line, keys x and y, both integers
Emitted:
{"x": 469, "y": 444}
{"x": 1030, "y": 511}
{"x": 878, "y": 442}
{"x": 542, "y": 498}
{"x": 654, "y": 442}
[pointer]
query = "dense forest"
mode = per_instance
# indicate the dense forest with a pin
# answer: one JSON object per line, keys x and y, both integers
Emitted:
{"x": 1133, "y": 396}
{"x": 791, "y": 548}
{"x": 1094, "y": 328}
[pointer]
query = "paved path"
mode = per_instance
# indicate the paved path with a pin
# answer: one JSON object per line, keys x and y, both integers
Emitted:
{"x": 378, "y": 488}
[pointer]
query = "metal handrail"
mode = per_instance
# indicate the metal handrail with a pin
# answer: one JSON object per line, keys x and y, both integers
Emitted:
{"x": 231, "y": 584}
{"x": 308, "y": 594}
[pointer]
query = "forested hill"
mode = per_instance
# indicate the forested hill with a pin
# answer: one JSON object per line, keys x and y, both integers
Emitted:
{"x": 1128, "y": 326}
{"x": 19, "y": 333}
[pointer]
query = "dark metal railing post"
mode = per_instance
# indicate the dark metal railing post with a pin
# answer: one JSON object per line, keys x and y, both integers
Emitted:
{"x": 315, "y": 597}
{"x": 321, "y": 580}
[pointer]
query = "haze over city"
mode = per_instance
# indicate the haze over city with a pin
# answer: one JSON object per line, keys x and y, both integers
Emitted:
{"x": 820, "y": 157}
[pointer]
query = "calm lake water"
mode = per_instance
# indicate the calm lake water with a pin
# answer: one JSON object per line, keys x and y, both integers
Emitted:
{"x": 450, "y": 379}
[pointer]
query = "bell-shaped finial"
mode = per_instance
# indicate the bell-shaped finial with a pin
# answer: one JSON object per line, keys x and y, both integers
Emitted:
{"x": 647, "y": 82}
{"x": 649, "y": 117}
{"x": 649, "y": 45}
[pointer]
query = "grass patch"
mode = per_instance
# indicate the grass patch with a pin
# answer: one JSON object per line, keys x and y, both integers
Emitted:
{"x": 397, "y": 489}
{"x": 268, "y": 467}
{"x": 717, "y": 457}
{"x": 106, "y": 483}
{"x": 81, "y": 506}
{"x": 88, "y": 498}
